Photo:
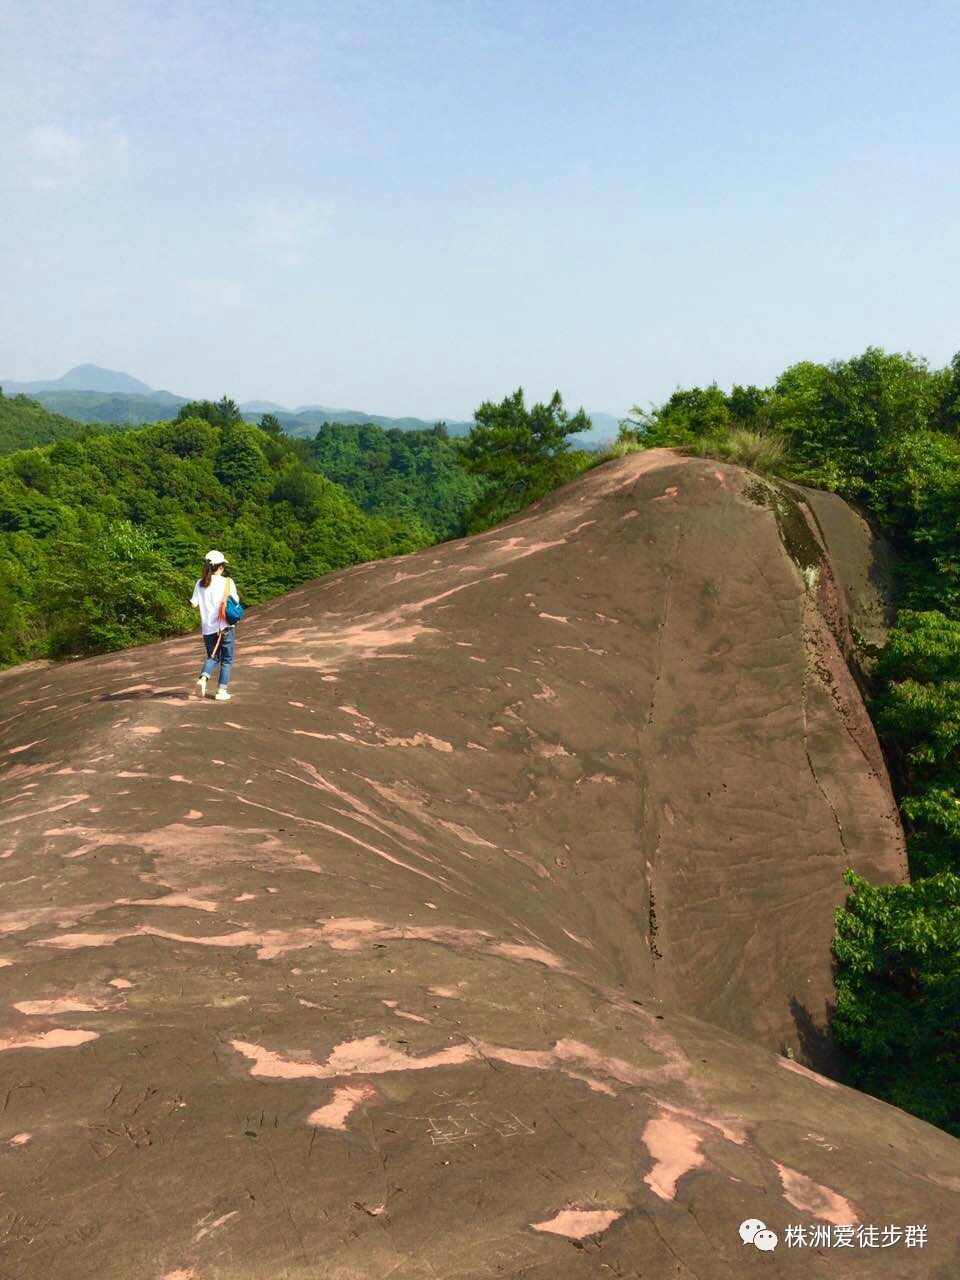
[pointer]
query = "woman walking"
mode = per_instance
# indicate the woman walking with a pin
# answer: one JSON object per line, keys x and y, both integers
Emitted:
{"x": 210, "y": 597}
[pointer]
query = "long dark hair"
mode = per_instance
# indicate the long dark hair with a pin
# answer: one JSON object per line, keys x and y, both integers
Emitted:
{"x": 208, "y": 571}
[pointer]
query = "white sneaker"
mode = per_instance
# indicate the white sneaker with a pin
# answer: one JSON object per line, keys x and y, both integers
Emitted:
{"x": 202, "y": 686}
{"x": 222, "y": 696}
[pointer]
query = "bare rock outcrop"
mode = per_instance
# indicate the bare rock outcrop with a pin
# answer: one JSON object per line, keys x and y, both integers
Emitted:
{"x": 467, "y": 940}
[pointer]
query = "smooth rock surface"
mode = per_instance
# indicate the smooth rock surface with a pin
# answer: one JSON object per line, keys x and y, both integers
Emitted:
{"x": 464, "y": 941}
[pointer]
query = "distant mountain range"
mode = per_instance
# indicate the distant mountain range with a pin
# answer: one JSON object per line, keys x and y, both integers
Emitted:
{"x": 84, "y": 377}
{"x": 88, "y": 393}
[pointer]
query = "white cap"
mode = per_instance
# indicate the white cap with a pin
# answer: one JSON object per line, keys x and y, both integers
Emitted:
{"x": 215, "y": 557}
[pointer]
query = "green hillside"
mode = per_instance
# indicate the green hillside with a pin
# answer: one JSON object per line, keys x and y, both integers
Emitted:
{"x": 25, "y": 423}
{"x": 307, "y": 422}
{"x": 112, "y": 527}
{"x": 121, "y": 408}
{"x": 126, "y": 408}
{"x": 415, "y": 475}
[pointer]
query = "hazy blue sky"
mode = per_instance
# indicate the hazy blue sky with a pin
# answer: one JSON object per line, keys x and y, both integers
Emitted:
{"x": 411, "y": 207}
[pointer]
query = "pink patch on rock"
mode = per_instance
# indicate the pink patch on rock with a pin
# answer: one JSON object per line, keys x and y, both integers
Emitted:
{"x": 210, "y": 1227}
{"x": 357, "y": 715}
{"x": 76, "y": 798}
{"x": 464, "y": 833}
{"x": 122, "y": 984}
{"x": 732, "y": 1129}
{"x": 811, "y": 1197}
{"x": 943, "y": 1180}
{"x": 574, "y": 937}
{"x": 176, "y": 900}
{"x": 420, "y": 740}
{"x": 412, "y": 1017}
{"x": 334, "y": 1114}
{"x": 369, "y": 1056}
{"x": 596, "y": 1086}
{"x": 58, "y": 1038}
{"x": 76, "y": 941}
{"x": 675, "y": 1148}
{"x": 577, "y": 1224}
{"x": 67, "y": 1004}
{"x": 521, "y": 951}
{"x": 585, "y": 1055}
{"x": 62, "y": 917}
{"x": 20, "y": 1139}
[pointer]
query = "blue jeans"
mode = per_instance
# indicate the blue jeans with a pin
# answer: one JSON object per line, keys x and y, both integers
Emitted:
{"x": 224, "y": 655}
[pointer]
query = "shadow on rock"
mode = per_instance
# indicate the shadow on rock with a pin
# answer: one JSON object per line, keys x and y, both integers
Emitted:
{"x": 816, "y": 1044}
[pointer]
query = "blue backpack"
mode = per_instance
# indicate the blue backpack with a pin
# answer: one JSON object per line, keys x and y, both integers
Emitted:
{"x": 232, "y": 611}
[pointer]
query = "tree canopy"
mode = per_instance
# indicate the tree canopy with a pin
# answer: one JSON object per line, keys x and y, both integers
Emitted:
{"x": 520, "y": 453}
{"x": 417, "y": 476}
{"x": 113, "y": 528}
{"x": 24, "y": 424}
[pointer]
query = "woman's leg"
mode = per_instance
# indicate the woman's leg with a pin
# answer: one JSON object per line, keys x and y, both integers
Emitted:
{"x": 226, "y": 657}
{"x": 210, "y": 665}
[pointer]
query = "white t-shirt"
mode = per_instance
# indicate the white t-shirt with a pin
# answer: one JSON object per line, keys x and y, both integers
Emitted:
{"x": 209, "y": 599}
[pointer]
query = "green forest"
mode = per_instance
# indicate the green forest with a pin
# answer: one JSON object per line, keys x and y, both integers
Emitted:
{"x": 110, "y": 525}
{"x": 24, "y": 423}
{"x": 79, "y": 514}
{"x": 416, "y": 476}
